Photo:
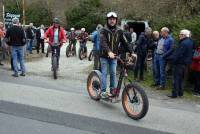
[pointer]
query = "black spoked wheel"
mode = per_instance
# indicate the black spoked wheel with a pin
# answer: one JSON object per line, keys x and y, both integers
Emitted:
{"x": 81, "y": 53}
{"x": 94, "y": 85}
{"x": 54, "y": 67}
{"x": 135, "y": 101}
{"x": 68, "y": 51}
{"x": 91, "y": 56}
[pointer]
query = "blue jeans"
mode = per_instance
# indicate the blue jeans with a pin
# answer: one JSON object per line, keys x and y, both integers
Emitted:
{"x": 30, "y": 45}
{"x": 112, "y": 64}
{"x": 18, "y": 56}
{"x": 160, "y": 74}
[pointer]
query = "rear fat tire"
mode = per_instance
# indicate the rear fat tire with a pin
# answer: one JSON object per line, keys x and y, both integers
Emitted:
{"x": 144, "y": 98}
{"x": 90, "y": 90}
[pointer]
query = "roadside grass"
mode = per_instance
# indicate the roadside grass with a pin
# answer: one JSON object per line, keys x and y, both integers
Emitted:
{"x": 148, "y": 80}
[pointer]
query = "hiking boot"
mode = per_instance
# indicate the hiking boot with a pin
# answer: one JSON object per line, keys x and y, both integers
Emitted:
{"x": 15, "y": 75}
{"x": 196, "y": 94}
{"x": 172, "y": 96}
{"x": 154, "y": 85}
{"x": 22, "y": 74}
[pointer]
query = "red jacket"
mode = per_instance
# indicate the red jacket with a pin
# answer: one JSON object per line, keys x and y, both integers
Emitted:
{"x": 196, "y": 60}
{"x": 50, "y": 34}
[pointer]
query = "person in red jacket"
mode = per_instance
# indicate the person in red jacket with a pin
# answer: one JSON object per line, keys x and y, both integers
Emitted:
{"x": 56, "y": 36}
{"x": 196, "y": 68}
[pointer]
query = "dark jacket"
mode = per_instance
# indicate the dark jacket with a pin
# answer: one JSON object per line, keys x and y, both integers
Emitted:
{"x": 183, "y": 54}
{"x": 30, "y": 33}
{"x": 110, "y": 41}
{"x": 142, "y": 44}
{"x": 38, "y": 34}
{"x": 153, "y": 45}
{"x": 128, "y": 36}
{"x": 15, "y": 36}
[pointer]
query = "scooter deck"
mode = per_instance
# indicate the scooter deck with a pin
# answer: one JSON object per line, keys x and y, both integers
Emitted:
{"x": 111, "y": 99}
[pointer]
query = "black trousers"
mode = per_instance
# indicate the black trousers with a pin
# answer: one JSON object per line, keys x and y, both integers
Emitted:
{"x": 57, "y": 49}
{"x": 178, "y": 79}
{"x": 140, "y": 64}
{"x": 96, "y": 60}
{"x": 197, "y": 81}
{"x": 40, "y": 42}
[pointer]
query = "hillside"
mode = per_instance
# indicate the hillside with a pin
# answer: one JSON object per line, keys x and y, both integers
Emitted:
{"x": 147, "y": 9}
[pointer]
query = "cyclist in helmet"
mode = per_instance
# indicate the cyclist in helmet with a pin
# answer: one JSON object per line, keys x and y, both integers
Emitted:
{"x": 56, "y": 35}
{"x": 83, "y": 37}
{"x": 110, "y": 38}
{"x": 72, "y": 39}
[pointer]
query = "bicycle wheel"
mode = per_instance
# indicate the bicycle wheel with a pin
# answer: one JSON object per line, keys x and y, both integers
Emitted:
{"x": 94, "y": 85}
{"x": 67, "y": 51}
{"x": 54, "y": 67}
{"x": 91, "y": 56}
{"x": 81, "y": 53}
{"x": 135, "y": 101}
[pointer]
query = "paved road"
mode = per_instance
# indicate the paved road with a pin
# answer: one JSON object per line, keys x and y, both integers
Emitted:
{"x": 10, "y": 124}
{"x": 63, "y": 105}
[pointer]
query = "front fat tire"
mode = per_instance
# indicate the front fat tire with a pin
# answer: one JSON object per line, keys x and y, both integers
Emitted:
{"x": 80, "y": 53}
{"x": 67, "y": 51}
{"x": 90, "y": 56}
{"x": 55, "y": 67}
{"x": 145, "y": 106}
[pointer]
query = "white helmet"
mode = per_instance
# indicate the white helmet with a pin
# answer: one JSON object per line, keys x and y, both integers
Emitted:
{"x": 83, "y": 29}
{"x": 72, "y": 29}
{"x": 111, "y": 14}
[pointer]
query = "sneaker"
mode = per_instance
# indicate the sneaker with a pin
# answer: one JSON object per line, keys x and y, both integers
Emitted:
{"x": 104, "y": 95}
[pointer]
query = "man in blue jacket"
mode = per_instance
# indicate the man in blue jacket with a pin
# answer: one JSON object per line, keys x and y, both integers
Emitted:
{"x": 162, "y": 52}
{"x": 96, "y": 40}
{"x": 181, "y": 58}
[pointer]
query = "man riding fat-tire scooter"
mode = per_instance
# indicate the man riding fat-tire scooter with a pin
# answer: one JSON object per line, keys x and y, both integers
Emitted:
{"x": 83, "y": 37}
{"x": 71, "y": 48}
{"x": 55, "y": 35}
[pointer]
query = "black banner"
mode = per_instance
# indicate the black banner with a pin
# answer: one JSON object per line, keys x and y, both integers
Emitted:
{"x": 8, "y": 18}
